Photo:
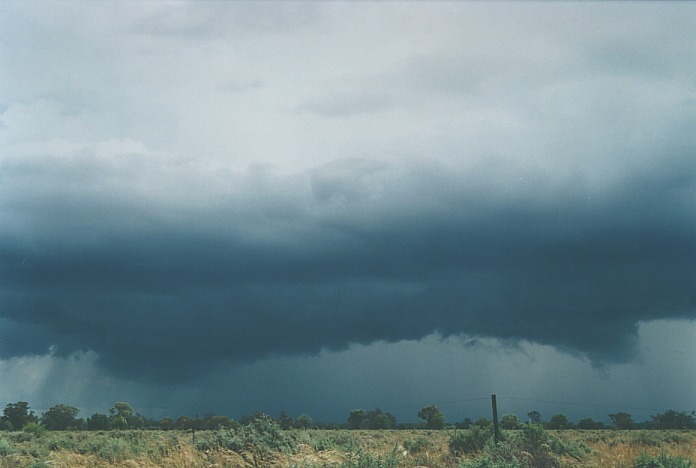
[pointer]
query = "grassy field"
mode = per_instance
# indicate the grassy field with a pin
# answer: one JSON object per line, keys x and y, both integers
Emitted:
{"x": 259, "y": 446}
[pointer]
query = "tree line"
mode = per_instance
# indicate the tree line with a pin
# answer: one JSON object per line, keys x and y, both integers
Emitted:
{"x": 18, "y": 416}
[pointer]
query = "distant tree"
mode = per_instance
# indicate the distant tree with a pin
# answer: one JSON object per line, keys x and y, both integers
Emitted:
{"x": 378, "y": 419}
{"x": 392, "y": 420}
{"x": 246, "y": 420}
{"x": 431, "y": 417}
{"x": 166, "y": 424}
{"x": 218, "y": 422}
{"x": 285, "y": 421}
{"x": 622, "y": 420}
{"x": 484, "y": 423}
{"x": 198, "y": 424}
{"x": 559, "y": 421}
{"x": 589, "y": 423}
{"x": 135, "y": 421}
{"x": 60, "y": 417}
{"x": 465, "y": 424}
{"x": 18, "y": 415}
{"x": 510, "y": 421}
{"x": 671, "y": 419}
{"x": 184, "y": 423}
{"x": 118, "y": 422}
{"x": 303, "y": 421}
{"x": 121, "y": 409}
{"x": 98, "y": 422}
{"x": 356, "y": 419}
{"x": 534, "y": 417}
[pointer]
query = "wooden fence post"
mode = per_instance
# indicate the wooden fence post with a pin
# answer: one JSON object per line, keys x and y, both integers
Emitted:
{"x": 496, "y": 434}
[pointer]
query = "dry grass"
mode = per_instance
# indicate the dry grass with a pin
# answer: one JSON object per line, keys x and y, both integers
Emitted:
{"x": 620, "y": 448}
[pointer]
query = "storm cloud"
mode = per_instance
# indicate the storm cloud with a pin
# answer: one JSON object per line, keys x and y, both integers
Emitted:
{"x": 230, "y": 197}
{"x": 351, "y": 252}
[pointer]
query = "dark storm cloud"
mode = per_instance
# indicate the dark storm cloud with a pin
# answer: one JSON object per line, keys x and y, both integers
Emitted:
{"x": 246, "y": 266}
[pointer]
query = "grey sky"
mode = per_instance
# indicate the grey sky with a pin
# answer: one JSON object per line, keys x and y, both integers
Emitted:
{"x": 283, "y": 196}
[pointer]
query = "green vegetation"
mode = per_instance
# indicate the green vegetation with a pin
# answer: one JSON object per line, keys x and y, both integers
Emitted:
{"x": 263, "y": 443}
{"x": 375, "y": 419}
{"x": 420, "y": 444}
{"x": 532, "y": 447}
{"x": 661, "y": 461}
{"x": 368, "y": 439}
{"x": 431, "y": 417}
{"x": 469, "y": 441}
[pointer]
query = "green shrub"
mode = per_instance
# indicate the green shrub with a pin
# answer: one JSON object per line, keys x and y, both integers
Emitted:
{"x": 5, "y": 447}
{"x": 109, "y": 448}
{"x": 532, "y": 447}
{"x": 417, "y": 445}
{"x": 228, "y": 439}
{"x": 20, "y": 437}
{"x": 504, "y": 454}
{"x": 115, "y": 445}
{"x": 363, "y": 459}
{"x": 534, "y": 437}
{"x": 324, "y": 440}
{"x": 262, "y": 434}
{"x": 471, "y": 440}
{"x": 575, "y": 450}
{"x": 61, "y": 443}
{"x": 662, "y": 460}
{"x": 488, "y": 461}
{"x": 37, "y": 430}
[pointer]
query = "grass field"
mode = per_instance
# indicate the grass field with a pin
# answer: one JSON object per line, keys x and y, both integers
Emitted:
{"x": 346, "y": 449}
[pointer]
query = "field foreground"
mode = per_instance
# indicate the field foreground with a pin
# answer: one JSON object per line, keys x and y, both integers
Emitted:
{"x": 346, "y": 449}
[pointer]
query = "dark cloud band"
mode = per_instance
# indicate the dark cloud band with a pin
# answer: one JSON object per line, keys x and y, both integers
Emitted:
{"x": 165, "y": 296}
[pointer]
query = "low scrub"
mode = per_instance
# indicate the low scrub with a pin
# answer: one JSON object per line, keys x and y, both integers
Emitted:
{"x": 662, "y": 460}
{"x": 469, "y": 441}
{"x": 261, "y": 436}
{"x": 418, "y": 444}
{"x": 363, "y": 459}
{"x": 532, "y": 447}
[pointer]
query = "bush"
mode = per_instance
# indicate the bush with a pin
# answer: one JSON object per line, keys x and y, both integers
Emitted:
{"x": 262, "y": 433}
{"x": 364, "y": 459}
{"x": 109, "y": 448}
{"x": 661, "y": 461}
{"x": 471, "y": 440}
{"x": 533, "y": 447}
{"x": 417, "y": 445}
{"x": 324, "y": 440}
{"x": 35, "y": 429}
{"x": 504, "y": 455}
{"x": 5, "y": 447}
{"x": 534, "y": 437}
{"x": 61, "y": 443}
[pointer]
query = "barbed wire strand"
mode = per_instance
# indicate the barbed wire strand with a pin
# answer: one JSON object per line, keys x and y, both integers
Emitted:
{"x": 536, "y": 400}
{"x": 596, "y": 405}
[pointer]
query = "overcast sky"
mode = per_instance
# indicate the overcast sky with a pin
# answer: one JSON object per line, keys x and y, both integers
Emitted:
{"x": 238, "y": 207}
